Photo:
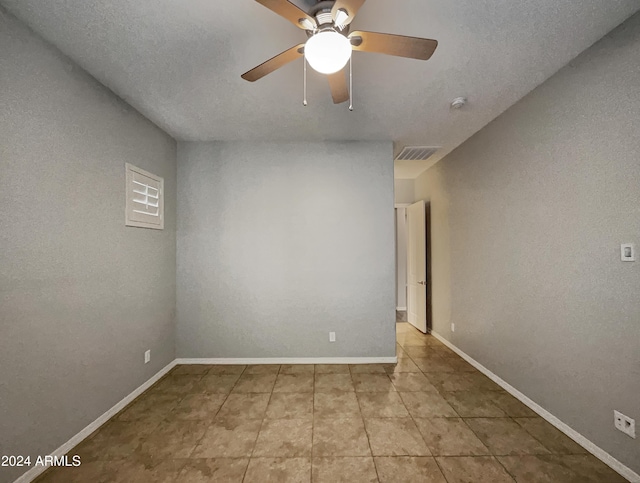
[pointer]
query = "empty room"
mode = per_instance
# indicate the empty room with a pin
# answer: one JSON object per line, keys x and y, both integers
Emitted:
{"x": 319, "y": 241}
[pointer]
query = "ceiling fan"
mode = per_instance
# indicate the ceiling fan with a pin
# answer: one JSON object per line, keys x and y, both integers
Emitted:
{"x": 330, "y": 42}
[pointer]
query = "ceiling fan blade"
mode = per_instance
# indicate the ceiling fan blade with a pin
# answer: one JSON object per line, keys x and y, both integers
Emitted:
{"x": 274, "y": 63}
{"x": 399, "y": 45}
{"x": 350, "y": 6}
{"x": 293, "y": 14}
{"x": 338, "y": 85}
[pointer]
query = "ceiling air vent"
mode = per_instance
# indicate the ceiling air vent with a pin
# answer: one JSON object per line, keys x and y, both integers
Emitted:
{"x": 416, "y": 153}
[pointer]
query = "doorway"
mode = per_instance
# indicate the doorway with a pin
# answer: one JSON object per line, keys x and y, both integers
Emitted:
{"x": 401, "y": 262}
{"x": 419, "y": 282}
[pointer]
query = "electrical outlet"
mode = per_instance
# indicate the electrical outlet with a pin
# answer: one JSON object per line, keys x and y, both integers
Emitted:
{"x": 627, "y": 252}
{"x": 625, "y": 424}
{"x": 453, "y": 327}
{"x": 332, "y": 336}
{"x": 147, "y": 356}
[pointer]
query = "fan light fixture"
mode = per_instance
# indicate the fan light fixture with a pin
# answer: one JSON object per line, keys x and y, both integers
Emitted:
{"x": 328, "y": 51}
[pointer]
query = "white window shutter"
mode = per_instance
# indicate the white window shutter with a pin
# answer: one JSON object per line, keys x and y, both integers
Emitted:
{"x": 145, "y": 199}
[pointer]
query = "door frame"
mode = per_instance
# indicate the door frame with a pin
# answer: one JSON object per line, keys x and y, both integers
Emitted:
{"x": 417, "y": 272}
{"x": 404, "y": 207}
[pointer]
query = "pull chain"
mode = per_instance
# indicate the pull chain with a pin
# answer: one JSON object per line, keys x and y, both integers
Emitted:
{"x": 304, "y": 76}
{"x": 351, "y": 83}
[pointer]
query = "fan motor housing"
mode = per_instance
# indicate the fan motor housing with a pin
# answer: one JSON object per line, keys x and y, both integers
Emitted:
{"x": 322, "y": 7}
{"x": 321, "y": 11}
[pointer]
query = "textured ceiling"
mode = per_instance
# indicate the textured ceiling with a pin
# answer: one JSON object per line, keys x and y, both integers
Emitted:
{"x": 179, "y": 63}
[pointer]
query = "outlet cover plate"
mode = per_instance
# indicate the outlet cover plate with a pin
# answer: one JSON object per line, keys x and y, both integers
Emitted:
{"x": 625, "y": 424}
{"x": 627, "y": 252}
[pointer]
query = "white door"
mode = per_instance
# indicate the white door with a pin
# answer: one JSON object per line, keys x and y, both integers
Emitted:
{"x": 417, "y": 266}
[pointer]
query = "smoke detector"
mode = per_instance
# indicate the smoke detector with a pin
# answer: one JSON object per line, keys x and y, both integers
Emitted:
{"x": 458, "y": 103}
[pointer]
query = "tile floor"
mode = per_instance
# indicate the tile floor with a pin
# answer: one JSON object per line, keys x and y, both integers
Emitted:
{"x": 429, "y": 418}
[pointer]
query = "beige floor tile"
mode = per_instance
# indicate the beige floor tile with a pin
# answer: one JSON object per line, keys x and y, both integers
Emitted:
{"x": 333, "y": 383}
{"x": 158, "y": 470}
{"x": 247, "y": 406}
{"x": 436, "y": 364}
{"x": 297, "y": 369}
{"x": 427, "y": 405}
{"x": 224, "y": 369}
{"x": 220, "y": 470}
{"x": 372, "y": 382}
{"x": 590, "y": 469}
{"x": 262, "y": 369}
{"x": 444, "y": 351}
{"x": 552, "y": 439}
{"x": 151, "y": 406}
{"x": 290, "y": 405}
{"x": 381, "y": 405}
{"x": 538, "y": 469}
{"x": 335, "y": 405}
{"x": 460, "y": 365}
{"x": 340, "y": 437}
{"x": 511, "y": 405}
{"x": 421, "y": 352}
{"x": 116, "y": 440}
{"x": 367, "y": 368}
{"x": 193, "y": 369}
{"x": 332, "y": 369}
{"x": 411, "y": 340}
{"x": 250, "y": 383}
{"x": 503, "y": 436}
{"x": 202, "y": 406}
{"x": 294, "y": 383}
{"x": 218, "y": 383}
{"x": 288, "y": 438}
{"x": 404, "y": 364}
{"x": 228, "y": 438}
{"x": 278, "y": 470}
{"x": 91, "y": 471}
{"x": 473, "y": 404}
{"x": 479, "y": 381}
{"x": 191, "y": 427}
{"x": 450, "y": 437}
{"x": 411, "y": 382}
{"x": 174, "y": 439}
{"x": 177, "y": 384}
{"x": 344, "y": 470}
{"x": 408, "y": 469}
{"x": 450, "y": 382}
{"x": 395, "y": 437}
{"x": 473, "y": 469}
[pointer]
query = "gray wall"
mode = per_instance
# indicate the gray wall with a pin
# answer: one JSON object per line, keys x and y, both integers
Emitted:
{"x": 278, "y": 244}
{"x": 81, "y": 295}
{"x": 528, "y": 218}
{"x": 404, "y": 190}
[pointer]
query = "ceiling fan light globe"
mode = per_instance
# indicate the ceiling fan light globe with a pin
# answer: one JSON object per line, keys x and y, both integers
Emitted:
{"x": 328, "y": 52}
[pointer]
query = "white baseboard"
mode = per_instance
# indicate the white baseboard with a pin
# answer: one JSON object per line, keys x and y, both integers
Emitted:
{"x": 293, "y": 360}
{"x": 66, "y": 447}
{"x": 401, "y": 309}
{"x": 598, "y": 452}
